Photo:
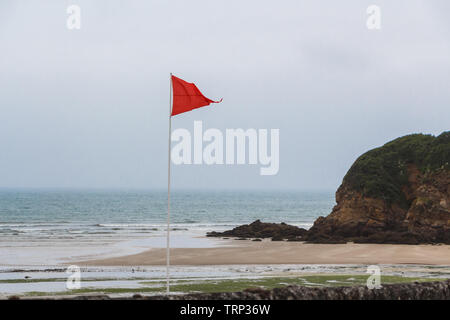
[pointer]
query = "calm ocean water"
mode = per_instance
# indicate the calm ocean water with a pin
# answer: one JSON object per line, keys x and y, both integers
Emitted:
{"x": 84, "y": 216}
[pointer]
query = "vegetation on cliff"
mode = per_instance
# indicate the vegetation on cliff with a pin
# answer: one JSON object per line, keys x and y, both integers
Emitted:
{"x": 382, "y": 172}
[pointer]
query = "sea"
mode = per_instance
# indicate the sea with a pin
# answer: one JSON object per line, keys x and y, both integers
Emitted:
{"x": 52, "y": 226}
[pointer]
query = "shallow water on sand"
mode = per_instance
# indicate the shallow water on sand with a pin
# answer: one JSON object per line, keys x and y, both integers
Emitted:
{"x": 144, "y": 276}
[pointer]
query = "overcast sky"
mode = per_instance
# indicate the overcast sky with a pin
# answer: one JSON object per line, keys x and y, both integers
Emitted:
{"x": 88, "y": 108}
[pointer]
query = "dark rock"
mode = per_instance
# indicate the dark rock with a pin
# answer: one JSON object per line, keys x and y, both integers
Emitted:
{"x": 409, "y": 291}
{"x": 277, "y": 238}
{"x": 439, "y": 290}
{"x": 258, "y": 229}
{"x": 90, "y": 297}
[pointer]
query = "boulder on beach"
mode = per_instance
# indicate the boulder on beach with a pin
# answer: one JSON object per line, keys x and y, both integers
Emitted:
{"x": 259, "y": 230}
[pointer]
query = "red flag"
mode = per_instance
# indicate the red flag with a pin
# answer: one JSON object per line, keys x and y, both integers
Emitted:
{"x": 187, "y": 97}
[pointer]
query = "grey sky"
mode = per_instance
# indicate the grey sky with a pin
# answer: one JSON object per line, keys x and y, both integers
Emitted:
{"x": 88, "y": 108}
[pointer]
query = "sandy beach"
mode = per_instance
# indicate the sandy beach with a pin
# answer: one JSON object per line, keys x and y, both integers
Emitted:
{"x": 235, "y": 252}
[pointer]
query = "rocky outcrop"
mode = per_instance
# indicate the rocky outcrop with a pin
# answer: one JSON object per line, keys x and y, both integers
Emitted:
{"x": 258, "y": 229}
{"x": 399, "y": 193}
{"x": 411, "y": 291}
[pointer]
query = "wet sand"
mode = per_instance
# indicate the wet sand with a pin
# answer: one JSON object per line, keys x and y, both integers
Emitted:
{"x": 235, "y": 252}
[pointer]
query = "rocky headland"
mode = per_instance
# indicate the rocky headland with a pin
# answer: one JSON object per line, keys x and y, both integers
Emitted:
{"x": 397, "y": 193}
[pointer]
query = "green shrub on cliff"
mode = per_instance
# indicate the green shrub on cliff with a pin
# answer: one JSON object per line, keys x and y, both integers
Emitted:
{"x": 382, "y": 172}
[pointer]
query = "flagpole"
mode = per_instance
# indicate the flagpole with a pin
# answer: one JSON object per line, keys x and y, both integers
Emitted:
{"x": 168, "y": 193}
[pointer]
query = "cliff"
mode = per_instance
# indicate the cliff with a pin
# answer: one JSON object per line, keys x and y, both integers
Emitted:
{"x": 398, "y": 193}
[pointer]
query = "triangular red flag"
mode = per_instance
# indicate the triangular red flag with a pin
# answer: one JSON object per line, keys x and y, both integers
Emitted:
{"x": 187, "y": 97}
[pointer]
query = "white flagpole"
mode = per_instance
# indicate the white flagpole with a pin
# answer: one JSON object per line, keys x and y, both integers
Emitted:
{"x": 168, "y": 193}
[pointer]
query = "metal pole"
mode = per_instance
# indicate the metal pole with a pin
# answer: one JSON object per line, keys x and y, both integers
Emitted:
{"x": 168, "y": 193}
